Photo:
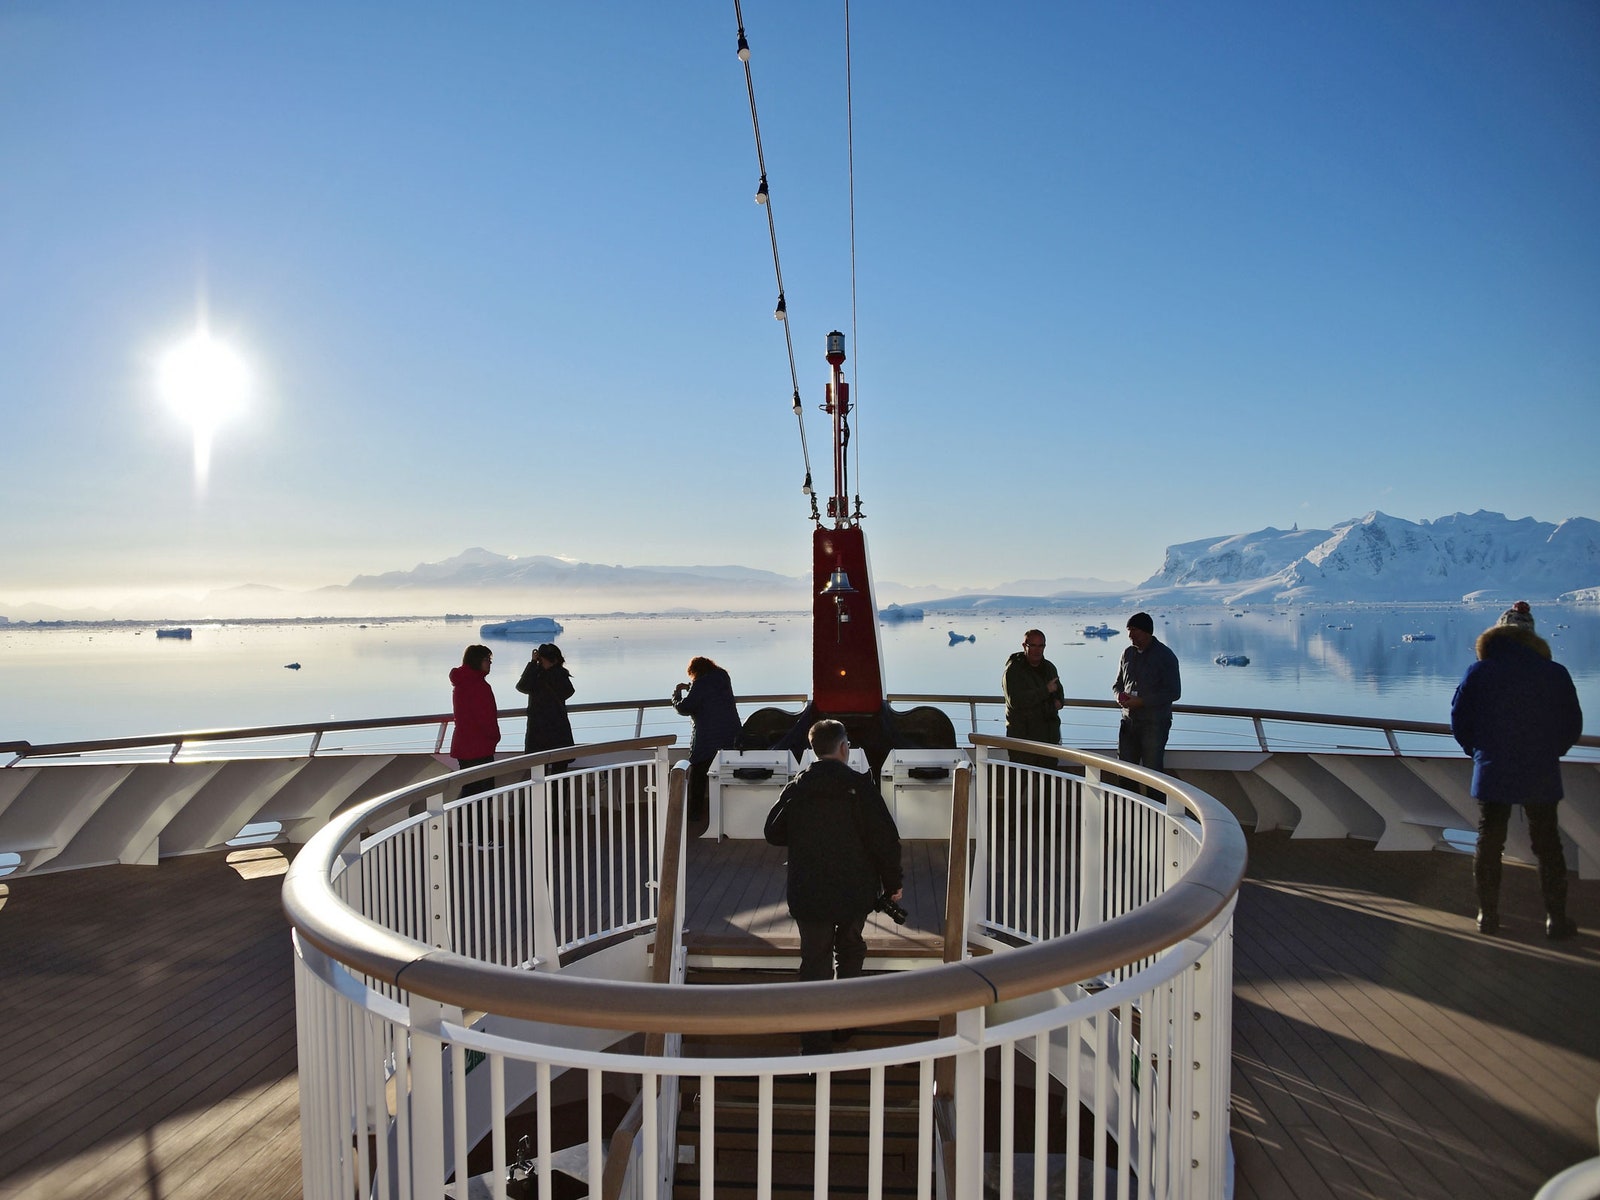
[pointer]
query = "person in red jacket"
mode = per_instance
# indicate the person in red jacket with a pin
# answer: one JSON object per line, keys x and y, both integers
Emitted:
{"x": 477, "y": 720}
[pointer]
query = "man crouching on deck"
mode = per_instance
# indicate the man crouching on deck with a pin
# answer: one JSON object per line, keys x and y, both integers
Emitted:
{"x": 844, "y": 850}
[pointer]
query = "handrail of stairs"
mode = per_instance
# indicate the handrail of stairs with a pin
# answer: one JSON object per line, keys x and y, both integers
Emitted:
{"x": 620, "y": 1155}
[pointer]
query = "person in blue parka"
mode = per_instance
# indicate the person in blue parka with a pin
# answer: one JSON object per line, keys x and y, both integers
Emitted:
{"x": 1516, "y": 712}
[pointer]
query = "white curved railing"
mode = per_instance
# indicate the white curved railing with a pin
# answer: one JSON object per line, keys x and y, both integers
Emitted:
{"x": 1109, "y": 984}
{"x": 1085, "y": 722}
{"x": 1581, "y": 1181}
{"x": 64, "y": 806}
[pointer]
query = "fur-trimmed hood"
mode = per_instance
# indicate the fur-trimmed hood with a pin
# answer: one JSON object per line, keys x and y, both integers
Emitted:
{"x": 1498, "y": 639}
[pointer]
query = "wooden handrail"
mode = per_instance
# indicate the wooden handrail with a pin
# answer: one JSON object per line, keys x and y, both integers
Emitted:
{"x": 667, "y": 898}
{"x": 955, "y": 892}
{"x": 619, "y": 1153}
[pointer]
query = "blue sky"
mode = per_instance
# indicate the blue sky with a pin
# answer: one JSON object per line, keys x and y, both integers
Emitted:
{"x": 1127, "y": 275}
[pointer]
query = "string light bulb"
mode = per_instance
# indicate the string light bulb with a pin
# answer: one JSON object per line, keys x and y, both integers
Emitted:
{"x": 761, "y": 191}
{"x": 781, "y": 313}
{"x": 744, "y": 48}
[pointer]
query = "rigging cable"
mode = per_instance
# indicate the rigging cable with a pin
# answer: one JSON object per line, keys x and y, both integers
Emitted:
{"x": 850, "y": 149}
{"x": 781, "y": 312}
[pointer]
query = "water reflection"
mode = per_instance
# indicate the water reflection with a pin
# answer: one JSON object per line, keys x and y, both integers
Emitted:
{"x": 110, "y": 681}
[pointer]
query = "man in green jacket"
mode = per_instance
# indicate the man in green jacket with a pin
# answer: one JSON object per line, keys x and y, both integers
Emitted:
{"x": 1033, "y": 699}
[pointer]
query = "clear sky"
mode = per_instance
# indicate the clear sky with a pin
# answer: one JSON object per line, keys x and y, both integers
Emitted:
{"x": 1127, "y": 275}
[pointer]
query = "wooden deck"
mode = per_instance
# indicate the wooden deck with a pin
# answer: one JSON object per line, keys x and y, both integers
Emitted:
{"x": 1381, "y": 1048}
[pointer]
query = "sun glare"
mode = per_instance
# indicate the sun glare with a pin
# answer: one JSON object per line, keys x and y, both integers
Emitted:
{"x": 205, "y": 381}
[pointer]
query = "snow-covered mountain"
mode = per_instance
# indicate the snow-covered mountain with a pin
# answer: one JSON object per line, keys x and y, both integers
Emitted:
{"x": 1385, "y": 559}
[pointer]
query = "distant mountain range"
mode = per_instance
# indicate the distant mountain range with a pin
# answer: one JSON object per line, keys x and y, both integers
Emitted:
{"x": 1376, "y": 559}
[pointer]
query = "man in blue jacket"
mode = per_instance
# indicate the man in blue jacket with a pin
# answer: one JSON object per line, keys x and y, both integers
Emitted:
{"x": 1147, "y": 685}
{"x": 844, "y": 851}
{"x": 1516, "y": 712}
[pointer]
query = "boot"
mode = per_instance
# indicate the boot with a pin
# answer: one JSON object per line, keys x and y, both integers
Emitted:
{"x": 1553, "y": 883}
{"x": 1486, "y": 879}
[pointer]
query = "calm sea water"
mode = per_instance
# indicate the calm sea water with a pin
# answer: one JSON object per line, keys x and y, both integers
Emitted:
{"x": 67, "y": 684}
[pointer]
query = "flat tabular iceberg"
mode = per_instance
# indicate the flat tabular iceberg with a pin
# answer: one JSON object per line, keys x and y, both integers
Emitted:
{"x": 525, "y": 627}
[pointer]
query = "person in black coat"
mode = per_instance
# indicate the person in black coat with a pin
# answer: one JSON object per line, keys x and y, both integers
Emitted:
{"x": 547, "y": 683}
{"x": 707, "y": 700}
{"x": 844, "y": 851}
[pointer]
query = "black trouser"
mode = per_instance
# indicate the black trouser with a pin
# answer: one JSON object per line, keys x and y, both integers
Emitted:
{"x": 1543, "y": 832}
{"x": 699, "y": 798}
{"x": 820, "y": 943}
{"x": 482, "y": 785}
{"x": 1143, "y": 742}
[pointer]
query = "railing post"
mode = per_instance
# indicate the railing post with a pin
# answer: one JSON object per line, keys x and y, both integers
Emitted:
{"x": 969, "y": 1104}
{"x": 436, "y": 873}
{"x": 1091, "y": 851}
{"x": 426, "y": 1098}
{"x": 1212, "y": 1018}
{"x": 545, "y": 955}
{"x": 1261, "y": 733}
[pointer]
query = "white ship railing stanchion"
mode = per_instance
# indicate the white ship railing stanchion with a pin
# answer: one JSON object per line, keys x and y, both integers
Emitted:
{"x": 436, "y": 874}
{"x": 424, "y": 1100}
{"x": 1091, "y": 852}
{"x": 969, "y": 1102}
{"x": 540, "y": 814}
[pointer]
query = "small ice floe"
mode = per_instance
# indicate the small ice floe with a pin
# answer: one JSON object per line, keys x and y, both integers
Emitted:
{"x": 1101, "y": 630}
{"x": 956, "y": 637}
{"x": 1417, "y": 637}
{"x": 291, "y": 666}
{"x": 1232, "y": 660}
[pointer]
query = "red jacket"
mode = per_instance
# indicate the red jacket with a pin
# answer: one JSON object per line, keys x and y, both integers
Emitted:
{"x": 477, "y": 721}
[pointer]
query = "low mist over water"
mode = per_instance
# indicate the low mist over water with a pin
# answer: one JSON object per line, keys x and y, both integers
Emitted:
{"x": 59, "y": 684}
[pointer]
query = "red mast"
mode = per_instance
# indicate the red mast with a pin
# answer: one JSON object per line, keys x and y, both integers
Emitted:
{"x": 846, "y": 657}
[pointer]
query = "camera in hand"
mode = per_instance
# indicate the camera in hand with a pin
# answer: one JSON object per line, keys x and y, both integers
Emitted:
{"x": 890, "y": 909}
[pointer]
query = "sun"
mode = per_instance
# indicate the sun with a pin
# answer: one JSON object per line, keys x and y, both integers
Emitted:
{"x": 205, "y": 381}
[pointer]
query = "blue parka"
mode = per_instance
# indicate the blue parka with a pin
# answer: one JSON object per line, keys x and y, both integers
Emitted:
{"x": 1516, "y": 712}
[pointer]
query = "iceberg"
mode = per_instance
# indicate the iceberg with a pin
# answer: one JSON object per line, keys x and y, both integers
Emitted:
{"x": 524, "y": 627}
{"x": 896, "y": 612}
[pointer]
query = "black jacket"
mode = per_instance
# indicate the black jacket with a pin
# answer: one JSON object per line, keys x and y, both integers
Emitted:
{"x": 547, "y": 689}
{"x": 843, "y": 845}
{"x": 710, "y": 705}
